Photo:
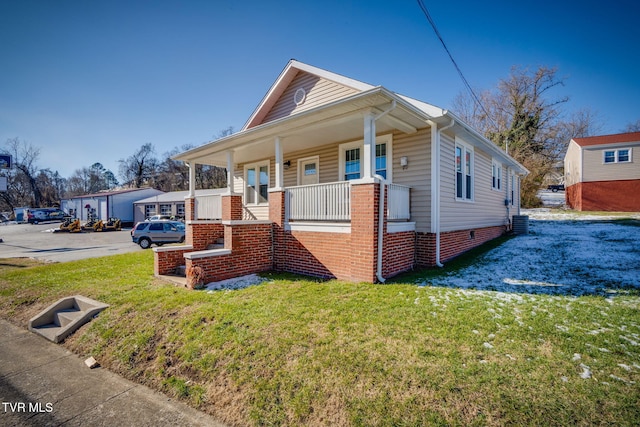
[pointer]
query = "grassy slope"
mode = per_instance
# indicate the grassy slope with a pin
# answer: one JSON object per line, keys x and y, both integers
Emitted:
{"x": 293, "y": 351}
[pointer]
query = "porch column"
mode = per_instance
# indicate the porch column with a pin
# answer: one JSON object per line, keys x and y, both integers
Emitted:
{"x": 192, "y": 179}
{"x": 230, "y": 171}
{"x": 369, "y": 157}
{"x": 279, "y": 165}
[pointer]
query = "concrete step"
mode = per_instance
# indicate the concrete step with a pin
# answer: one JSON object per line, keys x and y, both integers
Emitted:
{"x": 64, "y": 317}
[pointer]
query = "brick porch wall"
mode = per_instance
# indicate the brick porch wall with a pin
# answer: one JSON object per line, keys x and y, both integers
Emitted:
{"x": 204, "y": 234}
{"x": 251, "y": 252}
{"x": 611, "y": 196}
{"x": 165, "y": 262}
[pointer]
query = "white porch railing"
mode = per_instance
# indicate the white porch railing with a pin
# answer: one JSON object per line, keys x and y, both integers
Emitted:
{"x": 208, "y": 207}
{"x": 319, "y": 202}
{"x": 398, "y": 202}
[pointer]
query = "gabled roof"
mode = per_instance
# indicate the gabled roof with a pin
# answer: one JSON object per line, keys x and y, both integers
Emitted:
{"x": 286, "y": 77}
{"x": 608, "y": 139}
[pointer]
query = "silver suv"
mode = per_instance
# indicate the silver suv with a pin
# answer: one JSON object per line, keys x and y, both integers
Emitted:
{"x": 159, "y": 232}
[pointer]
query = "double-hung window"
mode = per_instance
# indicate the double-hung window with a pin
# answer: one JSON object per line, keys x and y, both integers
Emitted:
{"x": 464, "y": 171}
{"x": 352, "y": 158}
{"x": 617, "y": 156}
{"x": 496, "y": 175}
{"x": 256, "y": 189}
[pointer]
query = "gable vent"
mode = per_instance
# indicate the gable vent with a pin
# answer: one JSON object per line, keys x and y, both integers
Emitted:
{"x": 299, "y": 96}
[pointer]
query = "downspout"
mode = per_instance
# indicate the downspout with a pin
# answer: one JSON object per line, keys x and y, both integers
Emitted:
{"x": 435, "y": 182}
{"x": 381, "y": 207}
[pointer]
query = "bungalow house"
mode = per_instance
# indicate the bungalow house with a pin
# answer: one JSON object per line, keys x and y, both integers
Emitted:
{"x": 601, "y": 173}
{"x": 333, "y": 177}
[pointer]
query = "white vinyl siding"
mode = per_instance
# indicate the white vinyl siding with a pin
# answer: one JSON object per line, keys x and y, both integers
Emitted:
{"x": 319, "y": 91}
{"x": 488, "y": 208}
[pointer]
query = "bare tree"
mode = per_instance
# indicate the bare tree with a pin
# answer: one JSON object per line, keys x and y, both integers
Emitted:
{"x": 633, "y": 127}
{"x": 523, "y": 116}
{"x": 140, "y": 168}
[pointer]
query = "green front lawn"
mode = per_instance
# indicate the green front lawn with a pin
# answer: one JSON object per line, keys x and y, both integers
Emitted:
{"x": 294, "y": 351}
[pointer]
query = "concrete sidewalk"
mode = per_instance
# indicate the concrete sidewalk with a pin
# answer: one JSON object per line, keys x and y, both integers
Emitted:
{"x": 43, "y": 384}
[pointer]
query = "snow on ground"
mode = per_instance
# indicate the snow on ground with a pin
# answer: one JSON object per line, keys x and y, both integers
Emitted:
{"x": 235, "y": 283}
{"x": 564, "y": 253}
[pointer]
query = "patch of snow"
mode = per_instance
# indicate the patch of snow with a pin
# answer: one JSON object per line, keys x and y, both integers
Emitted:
{"x": 576, "y": 356}
{"x": 487, "y": 345}
{"x": 625, "y": 367}
{"x": 564, "y": 379}
{"x": 564, "y": 254}
{"x": 235, "y": 283}
{"x": 586, "y": 372}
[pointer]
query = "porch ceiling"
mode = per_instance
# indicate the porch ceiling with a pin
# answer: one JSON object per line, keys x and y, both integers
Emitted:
{"x": 337, "y": 122}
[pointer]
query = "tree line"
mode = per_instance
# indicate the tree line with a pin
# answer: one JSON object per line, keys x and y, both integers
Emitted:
{"x": 32, "y": 186}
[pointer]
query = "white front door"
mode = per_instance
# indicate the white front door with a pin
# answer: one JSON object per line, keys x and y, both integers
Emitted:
{"x": 309, "y": 171}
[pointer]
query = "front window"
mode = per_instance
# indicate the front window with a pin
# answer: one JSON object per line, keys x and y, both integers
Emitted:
{"x": 257, "y": 183}
{"x": 623, "y": 156}
{"x": 352, "y": 164}
{"x": 352, "y": 156}
{"x": 464, "y": 172}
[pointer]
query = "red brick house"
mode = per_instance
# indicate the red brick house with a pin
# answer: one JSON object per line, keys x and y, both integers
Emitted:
{"x": 333, "y": 177}
{"x": 601, "y": 173}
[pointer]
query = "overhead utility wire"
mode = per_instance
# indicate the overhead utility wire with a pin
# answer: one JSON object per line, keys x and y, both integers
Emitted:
{"x": 455, "y": 64}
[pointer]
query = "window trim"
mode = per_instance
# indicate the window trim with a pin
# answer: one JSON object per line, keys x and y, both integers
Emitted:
{"x": 245, "y": 189}
{"x": 616, "y": 156}
{"x": 380, "y": 139}
{"x": 495, "y": 164}
{"x": 466, "y": 148}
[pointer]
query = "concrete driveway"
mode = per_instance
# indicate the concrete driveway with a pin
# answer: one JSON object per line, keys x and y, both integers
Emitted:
{"x": 40, "y": 242}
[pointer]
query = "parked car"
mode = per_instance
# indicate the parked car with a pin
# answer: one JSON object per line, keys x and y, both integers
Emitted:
{"x": 37, "y": 215}
{"x": 159, "y": 217}
{"x": 556, "y": 188}
{"x": 157, "y": 232}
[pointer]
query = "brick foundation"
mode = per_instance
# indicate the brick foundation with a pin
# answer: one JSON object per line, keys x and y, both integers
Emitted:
{"x": 452, "y": 243}
{"x": 611, "y": 196}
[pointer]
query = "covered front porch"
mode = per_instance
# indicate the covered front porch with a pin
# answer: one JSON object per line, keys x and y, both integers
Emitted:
{"x": 312, "y": 193}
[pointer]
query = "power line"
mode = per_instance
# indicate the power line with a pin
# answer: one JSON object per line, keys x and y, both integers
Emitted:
{"x": 455, "y": 64}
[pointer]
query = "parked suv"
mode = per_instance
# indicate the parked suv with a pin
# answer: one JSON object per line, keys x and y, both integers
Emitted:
{"x": 157, "y": 232}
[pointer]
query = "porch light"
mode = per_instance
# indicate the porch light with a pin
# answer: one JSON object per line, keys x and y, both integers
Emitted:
{"x": 287, "y": 164}
{"x": 404, "y": 162}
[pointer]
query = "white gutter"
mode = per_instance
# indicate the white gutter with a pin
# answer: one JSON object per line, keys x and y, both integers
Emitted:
{"x": 381, "y": 207}
{"x": 435, "y": 182}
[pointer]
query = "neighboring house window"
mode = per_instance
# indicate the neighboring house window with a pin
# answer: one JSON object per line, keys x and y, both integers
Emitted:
{"x": 464, "y": 171}
{"x": 257, "y": 183}
{"x": 165, "y": 209}
{"x": 352, "y": 156}
{"x": 149, "y": 210}
{"x": 496, "y": 173}
{"x": 617, "y": 156}
{"x": 180, "y": 209}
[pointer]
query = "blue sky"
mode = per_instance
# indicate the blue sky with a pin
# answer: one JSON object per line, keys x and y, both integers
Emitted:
{"x": 91, "y": 81}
